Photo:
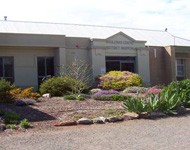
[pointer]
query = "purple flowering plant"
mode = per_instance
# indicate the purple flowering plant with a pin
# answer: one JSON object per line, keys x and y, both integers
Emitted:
{"x": 106, "y": 92}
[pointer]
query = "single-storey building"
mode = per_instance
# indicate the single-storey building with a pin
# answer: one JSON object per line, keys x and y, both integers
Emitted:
{"x": 30, "y": 51}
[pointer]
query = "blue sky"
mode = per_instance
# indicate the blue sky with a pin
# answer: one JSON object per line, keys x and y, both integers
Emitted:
{"x": 149, "y": 14}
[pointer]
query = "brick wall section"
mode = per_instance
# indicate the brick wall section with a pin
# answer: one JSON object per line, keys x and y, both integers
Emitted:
{"x": 162, "y": 65}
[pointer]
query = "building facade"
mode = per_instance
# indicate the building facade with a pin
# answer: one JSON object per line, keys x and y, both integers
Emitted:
{"x": 28, "y": 55}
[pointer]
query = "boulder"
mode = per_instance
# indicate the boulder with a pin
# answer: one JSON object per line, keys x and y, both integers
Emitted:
{"x": 99, "y": 120}
{"x": 2, "y": 127}
{"x": 181, "y": 110}
{"x": 130, "y": 116}
{"x": 85, "y": 121}
{"x": 67, "y": 123}
{"x": 115, "y": 119}
{"x": 47, "y": 95}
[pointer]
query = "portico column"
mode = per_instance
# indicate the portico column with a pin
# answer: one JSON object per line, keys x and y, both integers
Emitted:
{"x": 60, "y": 60}
{"x": 143, "y": 65}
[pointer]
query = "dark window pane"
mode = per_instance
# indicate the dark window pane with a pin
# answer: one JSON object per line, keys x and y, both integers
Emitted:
{"x": 112, "y": 65}
{"x": 41, "y": 66}
{"x": 8, "y": 67}
{"x": 128, "y": 67}
{"x": 50, "y": 66}
{"x": 1, "y": 67}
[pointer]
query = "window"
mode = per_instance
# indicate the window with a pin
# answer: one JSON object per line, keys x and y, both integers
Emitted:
{"x": 45, "y": 68}
{"x": 120, "y": 63}
{"x": 7, "y": 68}
{"x": 180, "y": 68}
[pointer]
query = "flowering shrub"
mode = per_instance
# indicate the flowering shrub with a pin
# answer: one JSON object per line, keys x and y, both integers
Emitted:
{"x": 106, "y": 92}
{"x": 153, "y": 90}
{"x": 119, "y": 80}
{"x": 25, "y": 93}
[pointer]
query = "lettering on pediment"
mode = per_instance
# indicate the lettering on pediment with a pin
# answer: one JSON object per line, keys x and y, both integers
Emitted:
{"x": 119, "y": 41}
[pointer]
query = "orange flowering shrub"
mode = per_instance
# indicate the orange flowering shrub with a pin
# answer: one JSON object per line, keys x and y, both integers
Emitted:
{"x": 25, "y": 93}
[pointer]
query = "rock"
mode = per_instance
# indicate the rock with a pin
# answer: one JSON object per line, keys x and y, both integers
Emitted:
{"x": 157, "y": 114}
{"x": 181, "y": 110}
{"x": 67, "y": 123}
{"x": 130, "y": 116}
{"x": 144, "y": 115}
{"x": 84, "y": 121}
{"x": 99, "y": 120}
{"x": 47, "y": 95}
{"x": 115, "y": 119}
{"x": 2, "y": 127}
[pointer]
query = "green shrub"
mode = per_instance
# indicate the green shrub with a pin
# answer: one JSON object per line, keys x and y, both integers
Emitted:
{"x": 70, "y": 97}
{"x": 135, "y": 89}
{"x": 24, "y": 123}
{"x": 181, "y": 89}
{"x": 56, "y": 86}
{"x": 119, "y": 80}
{"x": 169, "y": 101}
{"x": 80, "y": 97}
{"x": 113, "y": 97}
{"x": 11, "y": 118}
{"x": 11, "y": 126}
{"x": 6, "y": 86}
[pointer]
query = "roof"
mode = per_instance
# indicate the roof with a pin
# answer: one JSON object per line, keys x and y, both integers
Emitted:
{"x": 153, "y": 37}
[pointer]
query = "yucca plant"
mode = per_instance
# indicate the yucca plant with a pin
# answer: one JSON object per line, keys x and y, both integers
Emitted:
{"x": 169, "y": 102}
{"x": 136, "y": 105}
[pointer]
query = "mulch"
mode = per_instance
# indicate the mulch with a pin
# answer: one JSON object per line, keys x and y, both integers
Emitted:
{"x": 48, "y": 111}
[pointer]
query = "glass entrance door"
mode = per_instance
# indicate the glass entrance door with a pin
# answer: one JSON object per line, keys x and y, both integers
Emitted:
{"x": 45, "y": 68}
{"x": 127, "y": 66}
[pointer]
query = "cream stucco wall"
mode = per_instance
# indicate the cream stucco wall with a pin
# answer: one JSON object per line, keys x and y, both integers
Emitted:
{"x": 25, "y": 63}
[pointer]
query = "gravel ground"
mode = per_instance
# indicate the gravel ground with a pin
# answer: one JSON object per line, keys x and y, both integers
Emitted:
{"x": 162, "y": 134}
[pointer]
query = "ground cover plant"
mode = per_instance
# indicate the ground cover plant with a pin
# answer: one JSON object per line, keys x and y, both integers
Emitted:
{"x": 109, "y": 95}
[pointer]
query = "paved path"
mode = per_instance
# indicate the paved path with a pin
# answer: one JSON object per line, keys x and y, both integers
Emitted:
{"x": 164, "y": 134}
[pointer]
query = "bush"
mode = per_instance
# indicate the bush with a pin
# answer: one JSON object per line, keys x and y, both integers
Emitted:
{"x": 79, "y": 97}
{"x": 6, "y": 86}
{"x": 70, "y": 97}
{"x": 56, "y": 86}
{"x": 181, "y": 89}
{"x": 11, "y": 118}
{"x": 24, "y": 123}
{"x": 18, "y": 94}
{"x": 135, "y": 89}
{"x": 119, "y": 80}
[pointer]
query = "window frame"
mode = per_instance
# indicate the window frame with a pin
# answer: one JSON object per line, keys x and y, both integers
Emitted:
{"x": 3, "y": 69}
{"x": 181, "y": 65}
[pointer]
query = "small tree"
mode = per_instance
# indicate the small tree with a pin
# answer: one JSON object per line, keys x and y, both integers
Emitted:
{"x": 79, "y": 73}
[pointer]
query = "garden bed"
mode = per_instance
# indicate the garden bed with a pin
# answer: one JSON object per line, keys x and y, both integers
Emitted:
{"x": 48, "y": 111}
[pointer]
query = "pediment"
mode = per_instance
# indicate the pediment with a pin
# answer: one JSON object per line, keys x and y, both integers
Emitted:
{"x": 120, "y": 38}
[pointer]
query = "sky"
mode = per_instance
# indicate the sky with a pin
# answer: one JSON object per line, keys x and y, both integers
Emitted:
{"x": 147, "y": 14}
